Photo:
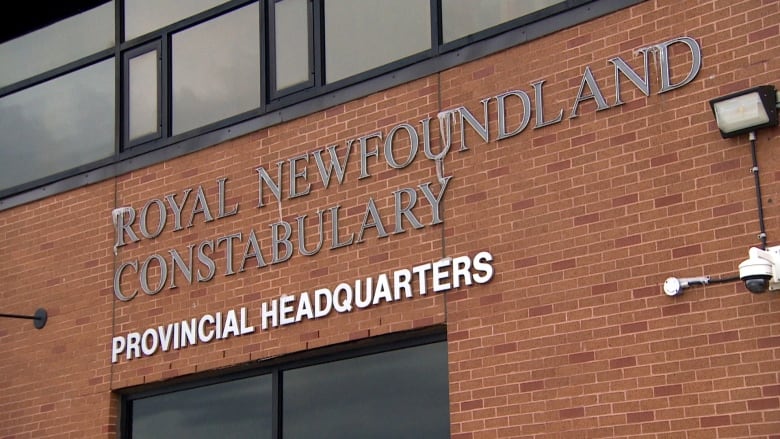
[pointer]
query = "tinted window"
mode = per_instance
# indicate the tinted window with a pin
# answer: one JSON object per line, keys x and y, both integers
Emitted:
{"x": 396, "y": 394}
{"x": 57, "y": 125}
{"x": 216, "y": 69}
{"x": 403, "y": 393}
{"x": 363, "y": 34}
{"x": 462, "y": 17}
{"x": 236, "y": 409}
{"x": 143, "y": 101}
{"x": 291, "y": 23}
{"x": 58, "y": 44}
{"x": 144, "y": 16}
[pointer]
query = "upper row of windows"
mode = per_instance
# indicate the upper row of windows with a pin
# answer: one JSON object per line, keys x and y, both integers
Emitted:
{"x": 71, "y": 99}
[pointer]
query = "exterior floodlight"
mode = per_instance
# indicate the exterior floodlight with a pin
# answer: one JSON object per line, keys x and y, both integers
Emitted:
{"x": 746, "y": 111}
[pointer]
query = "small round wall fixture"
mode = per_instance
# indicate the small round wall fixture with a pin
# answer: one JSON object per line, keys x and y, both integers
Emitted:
{"x": 674, "y": 286}
{"x": 39, "y": 318}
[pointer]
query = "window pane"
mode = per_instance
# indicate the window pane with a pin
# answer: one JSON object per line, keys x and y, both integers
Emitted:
{"x": 57, "y": 45}
{"x": 143, "y": 98}
{"x": 57, "y": 125}
{"x": 396, "y": 394}
{"x": 216, "y": 69}
{"x": 462, "y": 18}
{"x": 144, "y": 16}
{"x": 292, "y": 42}
{"x": 363, "y": 34}
{"x": 236, "y": 409}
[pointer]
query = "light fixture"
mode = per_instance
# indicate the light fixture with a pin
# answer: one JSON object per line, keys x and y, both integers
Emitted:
{"x": 746, "y": 111}
{"x": 675, "y": 285}
{"x": 735, "y": 114}
{"x": 39, "y": 318}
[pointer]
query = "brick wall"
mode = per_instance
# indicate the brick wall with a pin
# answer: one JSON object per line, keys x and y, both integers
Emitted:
{"x": 585, "y": 218}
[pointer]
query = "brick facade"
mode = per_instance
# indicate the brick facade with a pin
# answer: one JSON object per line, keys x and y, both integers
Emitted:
{"x": 573, "y": 336}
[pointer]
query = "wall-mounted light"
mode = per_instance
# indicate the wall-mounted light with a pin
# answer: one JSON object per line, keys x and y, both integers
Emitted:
{"x": 735, "y": 114}
{"x": 39, "y": 318}
{"x": 674, "y": 286}
{"x": 746, "y": 111}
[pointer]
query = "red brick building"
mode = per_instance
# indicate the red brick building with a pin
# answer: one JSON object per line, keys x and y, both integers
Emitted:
{"x": 465, "y": 239}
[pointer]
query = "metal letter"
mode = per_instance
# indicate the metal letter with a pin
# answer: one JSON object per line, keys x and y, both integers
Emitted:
{"x": 222, "y": 213}
{"x": 365, "y": 154}
{"x": 228, "y": 240}
{"x": 276, "y": 240}
{"x": 295, "y": 175}
{"x": 502, "y": 134}
{"x": 185, "y": 268}
{"x": 413, "y": 145}
{"x": 435, "y": 200}
{"x": 481, "y": 130}
{"x": 117, "y": 281}
{"x": 252, "y": 250}
{"x": 302, "y": 235}
{"x": 334, "y": 211}
{"x": 621, "y": 67}
{"x": 276, "y": 188}
{"x": 377, "y": 221}
{"x": 595, "y": 93}
{"x": 177, "y": 208}
{"x": 663, "y": 54}
{"x": 160, "y": 225}
{"x": 325, "y": 173}
{"x": 539, "y": 104}
{"x": 207, "y": 261}
{"x": 401, "y": 211}
{"x": 122, "y": 228}
{"x": 426, "y": 123}
{"x": 145, "y": 274}
{"x": 200, "y": 199}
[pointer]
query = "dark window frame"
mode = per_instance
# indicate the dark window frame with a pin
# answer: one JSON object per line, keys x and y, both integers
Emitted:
{"x": 277, "y": 107}
{"x": 276, "y": 367}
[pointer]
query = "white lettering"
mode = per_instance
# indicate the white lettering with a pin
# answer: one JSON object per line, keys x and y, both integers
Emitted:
{"x": 117, "y": 347}
{"x": 289, "y": 309}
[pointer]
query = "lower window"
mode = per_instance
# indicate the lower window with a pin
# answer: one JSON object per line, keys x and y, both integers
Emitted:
{"x": 235, "y": 409}
{"x": 401, "y": 391}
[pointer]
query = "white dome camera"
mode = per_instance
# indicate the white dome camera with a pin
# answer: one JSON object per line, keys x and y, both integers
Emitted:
{"x": 760, "y": 270}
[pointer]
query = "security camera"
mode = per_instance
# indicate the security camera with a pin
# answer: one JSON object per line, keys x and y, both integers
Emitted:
{"x": 760, "y": 271}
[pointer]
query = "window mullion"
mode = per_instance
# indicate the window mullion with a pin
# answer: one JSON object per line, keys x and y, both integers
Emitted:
{"x": 276, "y": 404}
{"x": 318, "y": 41}
{"x": 166, "y": 97}
{"x": 436, "y": 37}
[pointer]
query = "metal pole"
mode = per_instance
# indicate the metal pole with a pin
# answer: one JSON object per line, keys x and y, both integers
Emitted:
{"x": 754, "y": 169}
{"x": 39, "y": 318}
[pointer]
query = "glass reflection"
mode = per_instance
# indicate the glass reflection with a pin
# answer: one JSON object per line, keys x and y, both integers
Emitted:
{"x": 236, "y": 409}
{"x": 57, "y": 125}
{"x": 396, "y": 394}
{"x": 462, "y": 18}
{"x": 144, "y": 16}
{"x": 57, "y": 45}
{"x": 363, "y": 34}
{"x": 216, "y": 69}
{"x": 291, "y": 19}
{"x": 143, "y": 97}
